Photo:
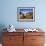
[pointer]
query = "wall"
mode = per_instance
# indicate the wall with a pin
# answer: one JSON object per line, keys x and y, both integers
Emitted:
{"x": 9, "y": 13}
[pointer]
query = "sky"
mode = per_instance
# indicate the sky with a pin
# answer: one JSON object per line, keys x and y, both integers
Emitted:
{"x": 26, "y": 10}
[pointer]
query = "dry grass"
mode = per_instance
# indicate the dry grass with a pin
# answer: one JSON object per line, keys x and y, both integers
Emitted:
{"x": 26, "y": 16}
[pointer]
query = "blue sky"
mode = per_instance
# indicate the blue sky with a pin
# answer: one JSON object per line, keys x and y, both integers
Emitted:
{"x": 26, "y": 10}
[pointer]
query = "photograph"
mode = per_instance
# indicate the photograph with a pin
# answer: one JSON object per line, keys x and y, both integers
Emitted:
{"x": 25, "y": 13}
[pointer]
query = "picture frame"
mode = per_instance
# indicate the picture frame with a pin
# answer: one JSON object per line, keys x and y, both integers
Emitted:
{"x": 26, "y": 14}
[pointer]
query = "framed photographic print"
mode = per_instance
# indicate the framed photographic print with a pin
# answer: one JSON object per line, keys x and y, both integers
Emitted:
{"x": 26, "y": 14}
